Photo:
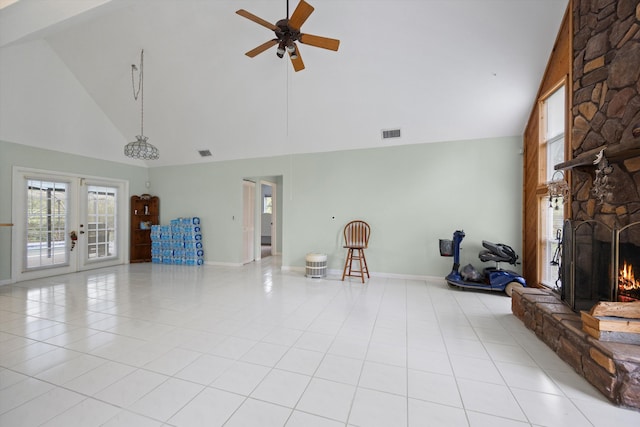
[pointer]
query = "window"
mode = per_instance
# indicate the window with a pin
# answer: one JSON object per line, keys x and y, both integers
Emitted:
{"x": 267, "y": 206}
{"x": 552, "y": 220}
{"x": 554, "y": 112}
{"x": 552, "y": 152}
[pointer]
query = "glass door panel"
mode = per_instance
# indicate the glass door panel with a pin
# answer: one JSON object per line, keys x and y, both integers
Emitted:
{"x": 101, "y": 222}
{"x": 47, "y": 224}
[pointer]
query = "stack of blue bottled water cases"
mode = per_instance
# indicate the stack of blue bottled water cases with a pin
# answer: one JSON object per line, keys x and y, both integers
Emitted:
{"x": 179, "y": 243}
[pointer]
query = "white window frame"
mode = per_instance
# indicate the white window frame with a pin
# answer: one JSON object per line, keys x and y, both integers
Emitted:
{"x": 548, "y": 211}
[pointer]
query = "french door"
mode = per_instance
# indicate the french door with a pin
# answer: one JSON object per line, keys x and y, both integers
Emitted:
{"x": 66, "y": 223}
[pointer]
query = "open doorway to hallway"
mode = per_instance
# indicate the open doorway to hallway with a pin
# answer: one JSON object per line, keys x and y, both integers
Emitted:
{"x": 267, "y": 219}
{"x": 262, "y": 217}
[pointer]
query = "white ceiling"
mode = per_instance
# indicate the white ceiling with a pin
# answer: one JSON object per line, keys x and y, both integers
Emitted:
{"x": 439, "y": 70}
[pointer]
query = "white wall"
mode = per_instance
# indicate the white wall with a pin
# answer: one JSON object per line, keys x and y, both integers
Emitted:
{"x": 42, "y": 104}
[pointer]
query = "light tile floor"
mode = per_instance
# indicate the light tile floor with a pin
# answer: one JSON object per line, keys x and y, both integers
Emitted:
{"x": 155, "y": 345}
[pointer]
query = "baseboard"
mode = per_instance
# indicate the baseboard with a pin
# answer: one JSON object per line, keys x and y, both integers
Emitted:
{"x": 332, "y": 272}
{"x": 223, "y": 264}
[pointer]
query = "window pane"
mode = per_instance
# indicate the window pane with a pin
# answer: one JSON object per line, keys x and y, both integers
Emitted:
{"x": 46, "y": 224}
{"x": 101, "y": 221}
{"x": 555, "y": 114}
{"x": 553, "y": 217}
{"x": 267, "y": 205}
{"x": 555, "y": 155}
{"x": 551, "y": 212}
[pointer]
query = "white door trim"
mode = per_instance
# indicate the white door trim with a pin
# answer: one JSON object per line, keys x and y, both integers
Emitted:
{"x": 248, "y": 221}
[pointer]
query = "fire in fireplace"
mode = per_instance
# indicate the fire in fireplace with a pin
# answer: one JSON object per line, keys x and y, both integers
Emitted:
{"x": 628, "y": 285}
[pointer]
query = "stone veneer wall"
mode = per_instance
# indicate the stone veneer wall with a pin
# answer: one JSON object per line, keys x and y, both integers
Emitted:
{"x": 606, "y": 104}
{"x": 606, "y": 108}
{"x": 613, "y": 368}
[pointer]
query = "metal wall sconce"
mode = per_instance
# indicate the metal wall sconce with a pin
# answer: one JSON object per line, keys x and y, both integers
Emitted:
{"x": 601, "y": 187}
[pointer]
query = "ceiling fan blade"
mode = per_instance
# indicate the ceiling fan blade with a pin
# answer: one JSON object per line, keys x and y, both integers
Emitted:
{"x": 317, "y": 41}
{"x": 250, "y": 16}
{"x": 302, "y": 12}
{"x": 261, "y": 48}
{"x": 297, "y": 62}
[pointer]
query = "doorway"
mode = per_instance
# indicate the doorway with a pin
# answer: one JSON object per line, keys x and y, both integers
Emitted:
{"x": 261, "y": 216}
{"x": 66, "y": 223}
{"x": 267, "y": 219}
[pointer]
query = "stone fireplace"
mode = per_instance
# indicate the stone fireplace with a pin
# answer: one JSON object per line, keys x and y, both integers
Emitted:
{"x": 611, "y": 367}
{"x": 601, "y": 242}
{"x": 603, "y": 235}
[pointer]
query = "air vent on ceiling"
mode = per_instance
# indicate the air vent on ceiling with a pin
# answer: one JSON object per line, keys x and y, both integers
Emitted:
{"x": 391, "y": 133}
{"x": 204, "y": 153}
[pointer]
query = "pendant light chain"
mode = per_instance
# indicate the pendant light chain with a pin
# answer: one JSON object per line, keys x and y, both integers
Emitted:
{"x": 140, "y": 91}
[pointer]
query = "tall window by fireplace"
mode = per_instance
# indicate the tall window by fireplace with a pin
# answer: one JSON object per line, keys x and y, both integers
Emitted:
{"x": 551, "y": 211}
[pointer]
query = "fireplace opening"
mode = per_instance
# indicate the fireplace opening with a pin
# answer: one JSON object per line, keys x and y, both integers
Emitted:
{"x": 600, "y": 263}
{"x": 628, "y": 271}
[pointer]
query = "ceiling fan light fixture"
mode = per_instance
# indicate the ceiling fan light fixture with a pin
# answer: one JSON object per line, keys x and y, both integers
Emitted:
{"x": 288, "y": 32}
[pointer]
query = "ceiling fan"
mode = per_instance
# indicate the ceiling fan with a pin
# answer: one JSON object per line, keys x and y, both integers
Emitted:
{"x": 288, "y": 33}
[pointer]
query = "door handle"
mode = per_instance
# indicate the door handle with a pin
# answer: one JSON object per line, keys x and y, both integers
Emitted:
{"x": 81, "y": 231}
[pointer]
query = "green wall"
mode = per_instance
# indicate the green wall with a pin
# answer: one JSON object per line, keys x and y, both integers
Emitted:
{"x": 411, "y": 196}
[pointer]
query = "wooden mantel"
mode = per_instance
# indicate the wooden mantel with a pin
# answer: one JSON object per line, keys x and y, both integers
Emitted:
{"x": 613, "y": 153}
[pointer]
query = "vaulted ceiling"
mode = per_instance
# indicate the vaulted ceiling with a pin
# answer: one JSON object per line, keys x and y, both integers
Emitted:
{"x": 438, "y": 70}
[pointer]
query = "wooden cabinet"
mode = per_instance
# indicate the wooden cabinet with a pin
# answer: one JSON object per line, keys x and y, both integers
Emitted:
{"x": 145, "y": 211}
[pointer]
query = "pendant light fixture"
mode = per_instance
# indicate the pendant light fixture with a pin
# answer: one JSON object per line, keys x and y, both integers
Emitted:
{"x": 140, "y": 148}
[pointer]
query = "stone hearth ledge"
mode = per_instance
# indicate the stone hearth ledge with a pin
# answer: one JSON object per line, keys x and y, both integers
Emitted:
{"x": 613, "y": 368}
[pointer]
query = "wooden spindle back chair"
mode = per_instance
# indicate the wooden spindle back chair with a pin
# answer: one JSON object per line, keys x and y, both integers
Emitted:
{"x": 356, "y": 240}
